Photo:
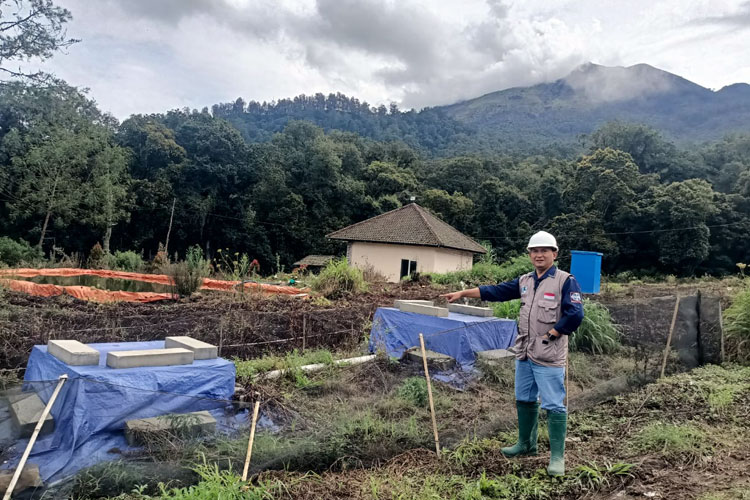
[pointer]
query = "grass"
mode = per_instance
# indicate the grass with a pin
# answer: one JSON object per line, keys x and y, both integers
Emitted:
{"x": 684, "y": 441}
{"x": 248, "y": 369}
{"x": 597, "y": 334}
{"x": 339, "y": 279}
{"x": 737, "y": 327}
{"x": 510, "y": 309}
{"x": 414, "y": 391}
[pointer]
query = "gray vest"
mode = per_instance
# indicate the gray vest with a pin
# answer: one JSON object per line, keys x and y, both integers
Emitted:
{"x": 540, "y": 310}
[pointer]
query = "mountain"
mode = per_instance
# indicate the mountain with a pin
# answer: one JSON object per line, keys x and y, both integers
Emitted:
{"x": 540, "y": 118}
{"x": 592, "y": 95}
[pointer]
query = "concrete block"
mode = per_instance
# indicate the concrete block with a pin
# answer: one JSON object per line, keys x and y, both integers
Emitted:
{"x": 483, "y": 312}
{"x": 29, "y": 478}
{"x": 201, "y": 350}
{"x": 150, "y": 357}
{"x": 496, "y": 356}
{"x": 397, "y": 303}
{"x": 185, "y": 425}
{"x": 72, "y": 352}
{"x": 435, "y": 360}
{"x": 25, "y": 409}
{"x": 440, "y": 312}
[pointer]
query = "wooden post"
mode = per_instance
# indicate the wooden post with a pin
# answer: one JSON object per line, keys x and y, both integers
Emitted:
{"x": 429, "y": 395}
{"x": 252, "y": 438}
{"x": 567, "y": 368}
{"x": 37, "y": 429}
{"x": 221, "y": 338}
{"x": 669, "y": 337}
{"x": 169, "y": 230}
{"x": 304, "y": 332}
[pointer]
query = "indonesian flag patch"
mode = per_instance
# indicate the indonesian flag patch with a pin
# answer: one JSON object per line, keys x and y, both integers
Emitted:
{"x": 549, "y": 296}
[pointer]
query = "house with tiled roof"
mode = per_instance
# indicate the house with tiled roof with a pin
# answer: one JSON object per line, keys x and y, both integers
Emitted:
{"x": 407, "y": 240}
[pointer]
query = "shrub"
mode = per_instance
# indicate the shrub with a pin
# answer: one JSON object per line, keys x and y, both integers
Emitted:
{"x": 13, "y": 253}
{"x": 338, "y": 278}
{"x": 484, "y": 272}
{"x": 414, "y": 390}
{"x": 187, "y": 276}
{"x": 128, "y": 261}
{"x": 737, "y": 326}
{"x": 509, "y": 309}
{"x": 597, "y": 334}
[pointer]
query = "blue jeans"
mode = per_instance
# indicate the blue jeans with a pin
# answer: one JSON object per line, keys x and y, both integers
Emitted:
{"x": 533, "y": 380}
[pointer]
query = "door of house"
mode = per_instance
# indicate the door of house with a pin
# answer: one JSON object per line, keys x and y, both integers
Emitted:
{"x": 408, "y": 267}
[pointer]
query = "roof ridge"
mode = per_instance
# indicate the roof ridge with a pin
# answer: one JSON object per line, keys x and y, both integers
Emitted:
{"x": 420, "y": 211}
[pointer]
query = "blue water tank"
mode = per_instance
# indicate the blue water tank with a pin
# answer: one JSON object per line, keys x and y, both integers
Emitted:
{"x": 587, "y": 268}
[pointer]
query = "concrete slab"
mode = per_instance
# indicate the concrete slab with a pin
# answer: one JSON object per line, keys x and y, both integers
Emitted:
{"x": 435, "y": 360}
{"x": 185, "y": 425}
{"x": 496, "y": 356}
{"x": 483, "y": 312}
{"x": 150, "y": 357}
{"x": 440, "y": 312}
{"x": 25, "y": 409}
{"x": 29, "y": 478}
{"x": 201, "y": 350}
{"x": 72, "y": 352}
{"x": 397, "y": 303}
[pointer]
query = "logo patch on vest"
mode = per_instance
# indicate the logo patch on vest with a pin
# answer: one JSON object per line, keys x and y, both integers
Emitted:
{"x": 575, "y": 297}
{"x": 524, "y": 289}
{"x": 549, "y": 296}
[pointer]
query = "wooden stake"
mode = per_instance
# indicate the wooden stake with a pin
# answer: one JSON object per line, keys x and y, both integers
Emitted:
{"x": 169, "y": 230}
{"x": 250, "y": 442}
{"x": 304, "y": 332}
{"x": 221, "y": 338}
{"x": 669, "y": 337}
{"x": 37, "y": 429}
{"x": 566, "y": 381}
{"x": 429, "y": 395}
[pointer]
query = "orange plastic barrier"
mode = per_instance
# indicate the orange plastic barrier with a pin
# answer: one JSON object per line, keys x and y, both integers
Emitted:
{"x": 88, "y": 293}
{"x": 83, "y": 292}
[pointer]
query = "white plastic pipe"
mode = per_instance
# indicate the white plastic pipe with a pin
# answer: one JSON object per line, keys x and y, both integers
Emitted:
{"x": 319, "y": 366}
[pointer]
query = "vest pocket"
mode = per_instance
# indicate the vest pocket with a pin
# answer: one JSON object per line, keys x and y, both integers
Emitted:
{"x": 547, "y": 312}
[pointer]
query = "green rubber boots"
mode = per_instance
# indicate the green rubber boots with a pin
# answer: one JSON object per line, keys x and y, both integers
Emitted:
{"x": 528, "y": 425}
{"x": 557, "y": 424}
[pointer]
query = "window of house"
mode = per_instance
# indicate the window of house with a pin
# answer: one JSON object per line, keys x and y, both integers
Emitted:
{"x": 408, "y": 267}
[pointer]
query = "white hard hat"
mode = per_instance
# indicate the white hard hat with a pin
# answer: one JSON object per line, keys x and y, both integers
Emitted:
{"x": 542, "y": 239}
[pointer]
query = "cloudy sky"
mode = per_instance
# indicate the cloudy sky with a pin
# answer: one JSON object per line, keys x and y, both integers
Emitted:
{"x": 143, "y": 56}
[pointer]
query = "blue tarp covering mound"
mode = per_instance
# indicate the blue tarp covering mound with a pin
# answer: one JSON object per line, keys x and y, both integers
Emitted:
{"x": 458, "y": 335}
{"x": 95, "y": 402}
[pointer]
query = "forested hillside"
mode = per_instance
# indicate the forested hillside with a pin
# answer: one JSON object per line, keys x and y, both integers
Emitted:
{"x": 549, "y": 118}
{"x": 72, "y": 176}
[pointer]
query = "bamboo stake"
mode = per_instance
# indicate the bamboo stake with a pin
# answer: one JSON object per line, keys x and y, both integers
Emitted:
{"x": 37, "y": 429}
{"x": 250, "y": 442}
{"x": 429, "y": 395}
{"x": 669, "y": 337}
{"x": 304, "y": 332}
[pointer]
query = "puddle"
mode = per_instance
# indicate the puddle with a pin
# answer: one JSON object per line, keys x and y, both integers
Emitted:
{"x": 112, "y": 284}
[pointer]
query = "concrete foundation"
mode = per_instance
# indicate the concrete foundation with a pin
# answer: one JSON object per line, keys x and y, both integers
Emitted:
{"x": 201, "y": 350}
{"x": 435, "y": 360}
{"x": 29, "y": 478}
{"x": 187, "y": 425}
{"x": 496, "y": 356}
{"x": 72, "y": 352}
{"x": 25, "y": 409}
{"x": 483, "y": 312}
{"x": 397, "y": 303}
{"x": 150, "y": 357}
{"x": 440, "y": 312}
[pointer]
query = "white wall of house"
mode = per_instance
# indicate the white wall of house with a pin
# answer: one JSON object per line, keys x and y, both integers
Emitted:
{"x": 386, "y": 258}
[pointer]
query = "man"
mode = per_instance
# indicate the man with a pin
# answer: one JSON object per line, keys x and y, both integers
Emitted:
{"x": 551, "y": 309}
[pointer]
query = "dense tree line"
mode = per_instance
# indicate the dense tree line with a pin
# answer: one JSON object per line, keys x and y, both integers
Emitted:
{"x": 71, "y": 176}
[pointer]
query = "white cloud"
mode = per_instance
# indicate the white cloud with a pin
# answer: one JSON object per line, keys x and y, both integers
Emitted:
{"x": 150, "y": 56}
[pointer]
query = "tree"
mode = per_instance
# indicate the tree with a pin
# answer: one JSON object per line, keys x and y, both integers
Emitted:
{"x": 31, "y": 29}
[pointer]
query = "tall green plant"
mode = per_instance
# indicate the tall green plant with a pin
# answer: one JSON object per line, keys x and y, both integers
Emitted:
{"x": 187, "y": 276}
{"x": 597, "y": 334}
{"x": 338, "y": 278}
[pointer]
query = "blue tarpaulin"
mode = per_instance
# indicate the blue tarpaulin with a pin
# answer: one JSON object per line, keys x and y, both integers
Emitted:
{"x": 91, "y": 410}
{"x": 458, "y": 335}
